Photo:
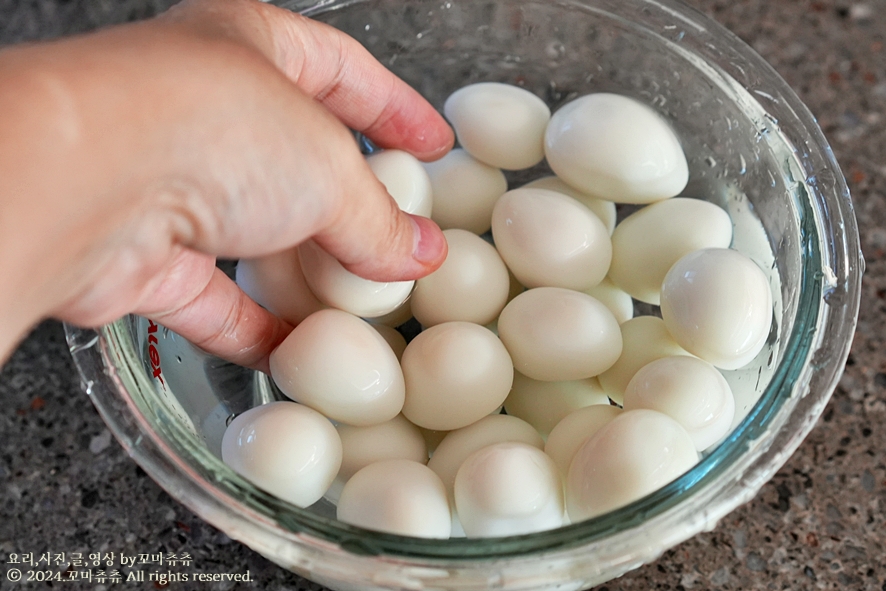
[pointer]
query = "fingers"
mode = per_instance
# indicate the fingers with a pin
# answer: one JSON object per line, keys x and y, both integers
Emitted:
{"x": 379, "y": 242}
{"x": 366, "y": 96}
{"x": 363, "y": 227}
{"x": 332, "y": 68}
{"x": 219, "y": 318}
{"x": 326, "y": 191}
{"x": 190, "y": 296}
{"x": 299, "y": 174}
{"x": 259, "y": 166}
{"x": 370, "y": 235}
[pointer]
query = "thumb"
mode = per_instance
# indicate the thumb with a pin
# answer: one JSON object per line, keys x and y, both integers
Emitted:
{"x": 373, "y": 238}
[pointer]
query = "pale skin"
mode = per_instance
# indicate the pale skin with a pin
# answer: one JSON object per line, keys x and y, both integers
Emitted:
{"x": 131, "y": 158}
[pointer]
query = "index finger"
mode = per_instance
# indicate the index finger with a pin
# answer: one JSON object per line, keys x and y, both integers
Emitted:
{"x": 334, "y": 69}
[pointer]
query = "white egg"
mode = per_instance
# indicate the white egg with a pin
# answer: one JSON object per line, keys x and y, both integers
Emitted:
{"x": 508, "y": 489}
{"x": 648, "y": 243}
{"x": 393, "y": 337}
{"x": 544, "y": 404}
{"x": 455, "y": 448}
{"x": 634, "y": 454}
{"x": 339, "y": 365}
{"x": 397, "y": 439}
{"x": 549, "y": 239}
{"x": 405, "y": 178}
{"x": 605, "y": 210}
{"x": 471, "y": 285}
{"x": 398, "y": 317}
{"x": 276, "y": 283}
{"x": 690, "y": 391}
{"x": 615, "y": 148}
{"x": 499, "y": 124}
{"x": 573, "y": 430}
{"x": 613, "y": 297}
{"x": 337, "y": 287}
{"x": 397, "y": 497}
{"x": 456, "y": 373}
{"x": 556, "y": 334}
{"x": 465, "y": 191}
{"x": 287, "y": 449}
{"x": 644, "y": 339}
{"x": 717, "y": 304}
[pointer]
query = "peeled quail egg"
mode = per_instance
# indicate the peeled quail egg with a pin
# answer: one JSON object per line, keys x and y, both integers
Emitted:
{"x": 571, "y": 432}
{"x": 398, "y": 497}
{"x": 648, "y": 242}
{"x": 605, "y": 210}
{"x": 337, "y": 287}
{"x": 615, "y": 148}
{"x": 472, "y": 284}
{"x": 361, "y": 446}
{"x": 405, "y": 178}
{"x": 508, "y": 489}
{"x": 456, "y": 373}
{"x": 457, "y": 445}
{"x": 556, "y": 334}
{"x": 277, "y": 283}
{"x": 544, "y": 404}
{"x": 550, "y": 239}
{"x": 499, "y": 124}
{"x": 287, "y": 449}
{"x": 634, "y": 454}
{"x": 717, "y": 304}
{"x": 464, "y": 191}
{"x": 690, "y": 391}
{"x": 644, "y": 339}
{"x": 339, "y": 365}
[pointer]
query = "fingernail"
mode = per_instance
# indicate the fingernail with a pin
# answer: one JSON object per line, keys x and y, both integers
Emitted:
{"x": 429, "y": 246}
{"x": 439, "y": 143}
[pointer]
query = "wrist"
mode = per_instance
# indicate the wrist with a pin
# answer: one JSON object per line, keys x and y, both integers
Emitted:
{"x": 50, "y": 202}
{"x": 18, "y": 312}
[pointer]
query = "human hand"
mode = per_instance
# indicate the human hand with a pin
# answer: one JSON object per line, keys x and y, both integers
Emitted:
{"x": 140, "y": 153}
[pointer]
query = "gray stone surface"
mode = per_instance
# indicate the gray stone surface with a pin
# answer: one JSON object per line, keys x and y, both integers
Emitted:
{"x": 65, "y": 486}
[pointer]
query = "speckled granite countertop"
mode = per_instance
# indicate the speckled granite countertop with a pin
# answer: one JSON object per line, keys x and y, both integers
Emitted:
{"x": 66, "y": 486}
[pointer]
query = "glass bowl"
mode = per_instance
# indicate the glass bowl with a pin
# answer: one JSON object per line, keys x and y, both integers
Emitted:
{"x": 753, "y": 148}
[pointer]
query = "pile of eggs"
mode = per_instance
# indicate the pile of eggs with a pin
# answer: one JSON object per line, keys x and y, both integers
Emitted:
{"x": 599, "y": 408}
